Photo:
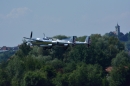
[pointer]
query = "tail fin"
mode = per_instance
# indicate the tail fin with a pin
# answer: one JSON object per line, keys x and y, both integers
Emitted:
{"x": 73, "y": 39}
{"x": 88, "y": 41}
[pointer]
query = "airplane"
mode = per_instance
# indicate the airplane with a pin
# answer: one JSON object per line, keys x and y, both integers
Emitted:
{"x": 48, "y": 43}
{"x": 45, "y": 42}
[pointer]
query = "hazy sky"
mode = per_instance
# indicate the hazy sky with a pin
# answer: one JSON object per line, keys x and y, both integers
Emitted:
{"x": 60, "y": 17}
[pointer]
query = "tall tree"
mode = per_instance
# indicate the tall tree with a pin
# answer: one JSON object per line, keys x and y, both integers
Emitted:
{"x": 24, "y": 50}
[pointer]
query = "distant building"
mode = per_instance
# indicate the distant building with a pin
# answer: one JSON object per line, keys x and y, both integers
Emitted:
{"x": 117, "y": 27}
{"x": 4, "y": 48}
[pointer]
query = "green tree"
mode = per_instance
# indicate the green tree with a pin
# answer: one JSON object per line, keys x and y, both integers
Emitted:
{"x": 61, "y": 79}
{"x": 120, "y": 72}
{"x": 75, "y": 53}
{"x": 86, "y": 75}
{"x": 4, "y": 79}
{"x": 122, "y": 59}
{"x": 32, "y": 63}
{"x": 43, "y": 52}
{"x": 34, "y": 51}
{"x": 50, "y": 73}
{"x": 49, "y": 70}
{"x": 24, "y": 50}
{"x": 58, "y": 52}
{"x": 79, "y": 76}
{"x": 56, "y": 64}
{"x": 35, "y": 78}
{"x": 70, "y": 66}
{"x": 110, "y": 34}
{"x": 15, "y": 67}
{"x": 128, "y": 45}
{"x": 4, "y": 56}
{"x": 119, "y": 76}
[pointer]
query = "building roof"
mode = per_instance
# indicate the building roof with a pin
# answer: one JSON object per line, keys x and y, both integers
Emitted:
{"x": 108, "y": 69}
{"x": 4, "y": 48}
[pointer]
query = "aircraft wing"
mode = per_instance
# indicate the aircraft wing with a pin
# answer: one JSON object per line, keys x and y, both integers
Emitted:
{"x": 71, "y": 40}
{"x": 86, "y": 42}
{"x": 62, "y": 42}
{"x": 44, "y": 42}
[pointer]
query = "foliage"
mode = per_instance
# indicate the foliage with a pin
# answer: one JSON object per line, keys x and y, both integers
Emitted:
{"x": 61, "y": 79}
{"x": 122, "y": 59}
{"x": 24, "y": 50}
{"x": 86, "y": 75}
{"x": 128, "y": 45}
{"x": 6, "y": 55}
{"x": 4, "y": 81}
{"x": 120, "y": 76}
{"x": 35, "y": 78}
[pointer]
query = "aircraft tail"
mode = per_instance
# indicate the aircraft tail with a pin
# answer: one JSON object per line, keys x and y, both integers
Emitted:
{"x": 88, "y": 41}
{"x": 73, "y": 39}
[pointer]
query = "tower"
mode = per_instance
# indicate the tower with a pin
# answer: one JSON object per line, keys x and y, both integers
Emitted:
{"x": 117, "y": 29}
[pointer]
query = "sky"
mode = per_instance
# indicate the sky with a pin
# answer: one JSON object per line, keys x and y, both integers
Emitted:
{"x": 60, "y": 17}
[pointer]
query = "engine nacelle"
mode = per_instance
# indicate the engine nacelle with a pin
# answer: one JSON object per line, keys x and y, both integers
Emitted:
{"x": 65, "y": 44}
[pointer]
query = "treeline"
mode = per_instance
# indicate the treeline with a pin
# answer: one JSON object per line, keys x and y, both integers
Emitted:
{"x": 122, "y": 37}
{"x": 6, "y": 55}
{"x": 76, "y": 66}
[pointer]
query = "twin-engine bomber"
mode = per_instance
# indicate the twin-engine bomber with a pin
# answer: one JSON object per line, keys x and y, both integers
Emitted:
{"x": 48, "y": 42}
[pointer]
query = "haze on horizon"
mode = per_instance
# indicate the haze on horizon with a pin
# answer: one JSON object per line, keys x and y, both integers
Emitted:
{"x": 60, "y": 17}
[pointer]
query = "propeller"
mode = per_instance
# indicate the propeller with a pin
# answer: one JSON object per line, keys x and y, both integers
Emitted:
{"x": 28, "y": 42}
{"x": 31, "y": 34}
{"x": 29, "y": 39}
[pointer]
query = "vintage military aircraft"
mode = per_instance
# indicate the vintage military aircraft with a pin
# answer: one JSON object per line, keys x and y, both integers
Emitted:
{"x": 48, "y": 42}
